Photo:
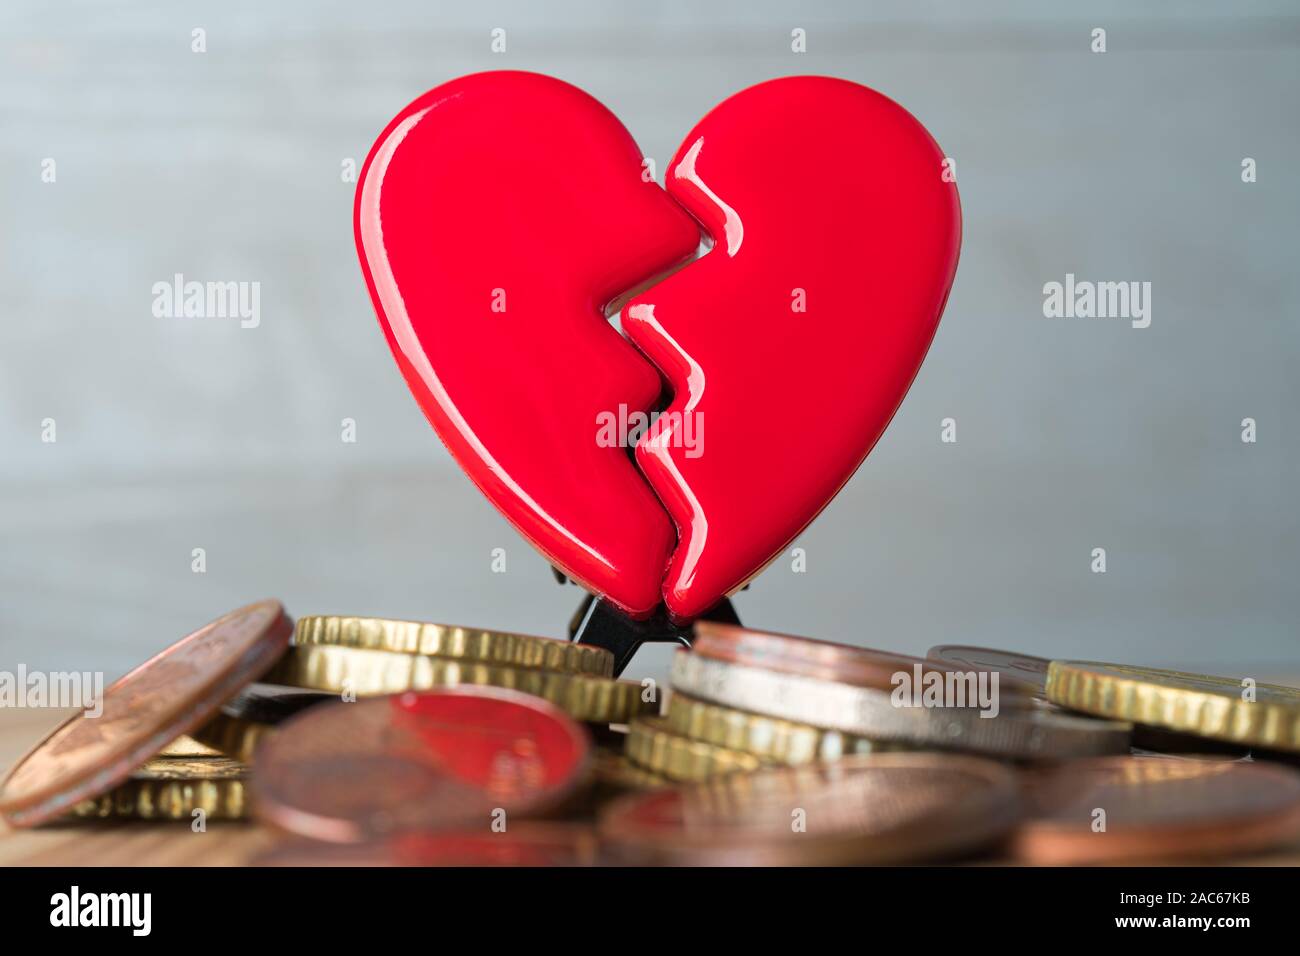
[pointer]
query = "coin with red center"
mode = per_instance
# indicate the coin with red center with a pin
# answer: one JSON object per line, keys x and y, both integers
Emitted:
{"x": 473, "y": 757}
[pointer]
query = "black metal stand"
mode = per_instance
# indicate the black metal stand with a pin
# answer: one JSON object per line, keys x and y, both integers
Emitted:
{"x": 598, "y": 623}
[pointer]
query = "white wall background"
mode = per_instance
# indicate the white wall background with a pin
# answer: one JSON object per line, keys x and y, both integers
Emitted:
{"x": 1072, "y": 434}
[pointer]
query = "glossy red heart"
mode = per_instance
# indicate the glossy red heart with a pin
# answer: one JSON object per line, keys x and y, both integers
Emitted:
{"x": 499, "y": 214}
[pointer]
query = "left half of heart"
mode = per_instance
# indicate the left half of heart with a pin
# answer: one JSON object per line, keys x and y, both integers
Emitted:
{"x": 496, "y": 217}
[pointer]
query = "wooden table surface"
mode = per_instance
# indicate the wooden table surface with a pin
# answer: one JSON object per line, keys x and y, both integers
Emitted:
{"x": 126, "y": 843}
{"x": 134, "y": 843}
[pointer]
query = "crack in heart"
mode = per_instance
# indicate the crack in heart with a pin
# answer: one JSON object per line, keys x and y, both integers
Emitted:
{"x": 809, "y": 185}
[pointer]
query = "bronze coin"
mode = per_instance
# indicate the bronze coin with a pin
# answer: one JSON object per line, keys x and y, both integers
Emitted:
{"x": 868, "y": 809}
{"x": 1125, "y": 809}
{"x": 826, "y": 660}
{"x": 167, "y": 696}
{"x": 471, "y": 757}
{"x": 524, "y": 844}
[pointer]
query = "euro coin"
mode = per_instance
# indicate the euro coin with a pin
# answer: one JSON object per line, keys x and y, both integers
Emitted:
{"x": 457, "y": 643}
{"x": 174, "y": 788}
{"x": 872, "y": 809}
{"x": 1024, "y": 668}
{"x": 1147, "y": 809}
{"x": 1236, "y": 711}
{"x": 843, "y": 663}
{"x": 167, "y": 696}
{"x": 367, "y": 672}
{"x": 652, "y": 746}
{"x": 769, "y": 738}
{"x": 473, "y": 757}
{"x": 1019, "y": 733}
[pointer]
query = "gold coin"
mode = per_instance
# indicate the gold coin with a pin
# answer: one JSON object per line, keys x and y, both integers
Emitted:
{"x": 615, "y": 772}
{"x": 458, "y": 643}
{"x": 188, "y": 746}
{"x": 365, "y": 673}
{"x": 173, "y": 788}
{"x": 1220, "y": 708}
{"x": 652, "y": 746}
{"x": 168, "y": 695}
{"x": 235, "y": 737}
{"x": 772, "y": 739}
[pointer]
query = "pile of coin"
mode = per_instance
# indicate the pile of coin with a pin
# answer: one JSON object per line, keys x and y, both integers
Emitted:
{"x": 791, "y": 700}
{"x": 366, "y": 741}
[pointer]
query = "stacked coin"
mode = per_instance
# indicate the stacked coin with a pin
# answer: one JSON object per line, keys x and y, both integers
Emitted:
{"x": 370, "y": 741}
{"x": 178, "y": 735}
{"x": 743, "y": 699}
{"x": 102, "y": 763}
{"x": 371, "y": 656}
{"x": 175, "y": 788}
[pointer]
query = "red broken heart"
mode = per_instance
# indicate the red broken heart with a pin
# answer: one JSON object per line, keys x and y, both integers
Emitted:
{"x": 498, "y": 216}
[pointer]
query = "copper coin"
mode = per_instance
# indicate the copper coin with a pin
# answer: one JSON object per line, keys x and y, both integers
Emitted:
{"x": 1024, "y": 668}
{"x": 167, "y": 696}
{"x": 524, "y": 844}
{"x": 1123, "y": 809}
{"x": 868, "y": 809}
{"x": 472, "y": 757}
{"x": 826, "y": 660}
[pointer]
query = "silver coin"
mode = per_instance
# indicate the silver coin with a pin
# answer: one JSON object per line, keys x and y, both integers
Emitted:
{"x": 1025, "y": 733}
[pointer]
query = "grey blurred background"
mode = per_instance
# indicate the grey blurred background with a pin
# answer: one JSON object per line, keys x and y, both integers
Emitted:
{"x": 1072, "y": 434}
